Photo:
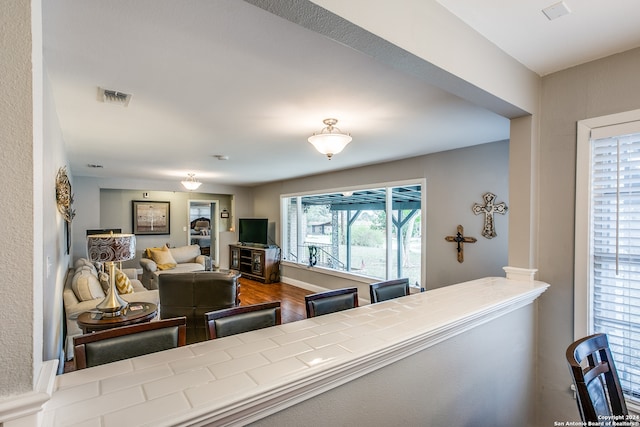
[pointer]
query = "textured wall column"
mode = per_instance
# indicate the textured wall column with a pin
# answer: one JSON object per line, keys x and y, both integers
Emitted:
{"x": 16, "y": 204}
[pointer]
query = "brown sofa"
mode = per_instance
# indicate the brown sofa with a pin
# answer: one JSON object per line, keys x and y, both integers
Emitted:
{"x": 195, "y": 293}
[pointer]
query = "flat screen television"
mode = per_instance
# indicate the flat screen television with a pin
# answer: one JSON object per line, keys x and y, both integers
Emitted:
{"x": 253, "y": 231}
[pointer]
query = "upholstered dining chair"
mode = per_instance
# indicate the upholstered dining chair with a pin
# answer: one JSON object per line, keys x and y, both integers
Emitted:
{"x": 236, "y": 320}
{"x": 596, "y": 380}
{"x": 388, "y": 289}
{"x": 331, "y": 301}
{"x": 115, "y": 344}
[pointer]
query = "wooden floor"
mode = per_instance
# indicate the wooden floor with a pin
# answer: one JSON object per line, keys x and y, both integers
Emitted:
{"x": 290, "y": 297}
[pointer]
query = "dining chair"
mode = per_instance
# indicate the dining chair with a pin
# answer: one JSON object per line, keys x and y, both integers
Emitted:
{"x": 125, "y": 342}
{"x": 388, "y": 289}
{"x": 598, "y": 389}
{"x": 236, "y": 320}
{"x": 331, "y": 301}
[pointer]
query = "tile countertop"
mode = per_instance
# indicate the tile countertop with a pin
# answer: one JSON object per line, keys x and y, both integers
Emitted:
{"x": 242, "y": 378}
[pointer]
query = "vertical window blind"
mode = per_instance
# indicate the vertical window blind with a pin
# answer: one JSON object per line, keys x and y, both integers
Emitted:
{"x": 615, "y": 252}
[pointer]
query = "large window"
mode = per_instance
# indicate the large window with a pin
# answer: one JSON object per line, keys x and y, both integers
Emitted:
{"x": 608, "y": 241}
{"x": 374, "y": 232}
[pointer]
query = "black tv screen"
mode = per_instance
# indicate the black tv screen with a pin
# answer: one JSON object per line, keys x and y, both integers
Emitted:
{"x": 253, "y": 230}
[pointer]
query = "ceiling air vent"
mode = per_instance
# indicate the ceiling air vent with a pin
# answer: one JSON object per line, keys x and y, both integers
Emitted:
{"x": 113, "y": 97}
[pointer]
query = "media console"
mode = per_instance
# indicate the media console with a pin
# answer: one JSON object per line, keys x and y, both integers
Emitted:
{"x": 257, "y": 263}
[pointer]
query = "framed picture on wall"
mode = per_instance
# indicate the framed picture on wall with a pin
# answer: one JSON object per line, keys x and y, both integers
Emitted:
{"x": 150, "y": 217}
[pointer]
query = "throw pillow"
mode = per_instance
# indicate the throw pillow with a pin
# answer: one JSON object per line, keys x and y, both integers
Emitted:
{"x": 82, "y": 263}
{"x": 163, "y": 258}
{"x": 86, "y": 286}
{"x": 149, "y": 255}
{"x": 123, "y": 283}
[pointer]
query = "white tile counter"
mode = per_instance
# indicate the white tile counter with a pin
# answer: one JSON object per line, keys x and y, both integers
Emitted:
{"x": 242, "y": 378}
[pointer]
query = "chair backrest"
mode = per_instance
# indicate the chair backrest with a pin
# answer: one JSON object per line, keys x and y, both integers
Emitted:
{"x": 195, "y": 293}
{"x": 115, "y": 344}
{"x": 595, "y": 378}
{"x": 388, "y": 289}
{"x": 231, "y": 321}
{"x": 331, "y": 301}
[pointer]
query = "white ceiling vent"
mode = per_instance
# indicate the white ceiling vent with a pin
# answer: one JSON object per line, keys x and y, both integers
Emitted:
{"x": 113, "y": 97}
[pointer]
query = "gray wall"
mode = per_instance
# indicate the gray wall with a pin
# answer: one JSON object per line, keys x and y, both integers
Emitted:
{"x": 90, "y": 212}
{"x": 455, "y": 181}
{"x": 474, "y": 385}
{"x": 116, "y": 212}
{"x": 595, "y": 89}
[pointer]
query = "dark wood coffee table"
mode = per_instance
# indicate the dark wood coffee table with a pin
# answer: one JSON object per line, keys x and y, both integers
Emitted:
{"x": 136, "y": 312}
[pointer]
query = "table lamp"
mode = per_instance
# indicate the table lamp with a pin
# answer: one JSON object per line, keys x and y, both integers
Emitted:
{"x": 109, "y": 249}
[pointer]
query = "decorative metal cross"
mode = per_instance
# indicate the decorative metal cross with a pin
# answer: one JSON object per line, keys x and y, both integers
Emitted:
{"x": 489, "y": 230}
{"x": 460, "y": 240}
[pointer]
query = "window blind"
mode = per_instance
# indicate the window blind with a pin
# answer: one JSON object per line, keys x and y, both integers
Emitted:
{"x": 615, "y": 252}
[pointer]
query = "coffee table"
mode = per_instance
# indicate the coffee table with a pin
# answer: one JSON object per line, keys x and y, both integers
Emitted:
{"x": 136, "y": 312}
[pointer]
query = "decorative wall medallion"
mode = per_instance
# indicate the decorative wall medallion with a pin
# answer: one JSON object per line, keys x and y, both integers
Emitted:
{"x": 64, "y": 197}
{"x": 460, "y": 240}
{"x": 489, "y": 208}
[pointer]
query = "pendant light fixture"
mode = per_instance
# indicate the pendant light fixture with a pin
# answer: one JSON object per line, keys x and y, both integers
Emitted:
{"x": 330, "y": 140}
{"x": 190, "y": 183}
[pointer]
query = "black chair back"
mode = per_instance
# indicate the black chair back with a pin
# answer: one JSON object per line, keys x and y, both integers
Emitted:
{"x": 598, "y": 389}
{"x": 388, "y": 289}
{"x": 115, "y": 344}
{"x": 231, "y": 321}
{"x": 331, "y": 301}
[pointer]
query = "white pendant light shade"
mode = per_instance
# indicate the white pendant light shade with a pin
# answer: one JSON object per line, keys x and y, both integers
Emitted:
{"x": 330, "y": 140}
{"x": 190, "y": 183}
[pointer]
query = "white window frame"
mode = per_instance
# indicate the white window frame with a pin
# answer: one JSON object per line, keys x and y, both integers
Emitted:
{"x": 350, "y": 275}
{"x": 586, "y": 130}
{"x": 582, "y": 214}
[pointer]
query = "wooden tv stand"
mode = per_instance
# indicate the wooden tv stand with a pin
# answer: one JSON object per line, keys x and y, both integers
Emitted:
{"x": 253, "y": 262}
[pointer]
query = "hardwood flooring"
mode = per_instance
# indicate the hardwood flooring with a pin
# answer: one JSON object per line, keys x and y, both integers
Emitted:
{"x": 290, "y": 297}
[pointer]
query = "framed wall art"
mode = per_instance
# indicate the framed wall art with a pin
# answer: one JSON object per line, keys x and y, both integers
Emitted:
{"x": 151, "y": 217}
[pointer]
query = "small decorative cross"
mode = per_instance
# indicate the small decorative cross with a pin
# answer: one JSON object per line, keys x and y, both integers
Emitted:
{"x": 489, "y": 230}
{"x": 460, "y": 240}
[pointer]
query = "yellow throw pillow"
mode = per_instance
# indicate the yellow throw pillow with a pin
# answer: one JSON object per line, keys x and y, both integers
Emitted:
{"x": 163, "y": 258}
{"x": 152, "y": 249}
{"x": 123, "y": 283}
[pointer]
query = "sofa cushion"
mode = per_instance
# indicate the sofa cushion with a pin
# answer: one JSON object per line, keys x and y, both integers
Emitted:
{"x": 163, "y": 258}
{"x": 185, "y": 254}
{"x": 85, "y": 263}
{"x": 86, "y": 285}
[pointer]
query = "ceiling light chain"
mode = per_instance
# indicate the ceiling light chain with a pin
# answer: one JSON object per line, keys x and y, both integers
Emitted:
{"x": 330, "y": 140}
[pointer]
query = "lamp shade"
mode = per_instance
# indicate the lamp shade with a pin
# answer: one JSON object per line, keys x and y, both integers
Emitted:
{"x": 111, "y": 247}
{"x": 330, "y": 140}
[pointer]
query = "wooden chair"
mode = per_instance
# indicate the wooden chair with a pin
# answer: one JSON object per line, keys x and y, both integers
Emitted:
{"x": 125, "y": 342}
{"x": 236, "y": 320}
{"x": 388, "y": 289}
{"x": 331, "y": 301}
{"x": 595, "y": 378}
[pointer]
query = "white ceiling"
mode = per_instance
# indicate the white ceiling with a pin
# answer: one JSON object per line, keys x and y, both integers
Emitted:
{"x": 224, "y": 77}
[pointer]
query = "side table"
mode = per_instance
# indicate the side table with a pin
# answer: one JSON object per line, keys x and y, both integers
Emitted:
{"x": 136, "y": 312}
